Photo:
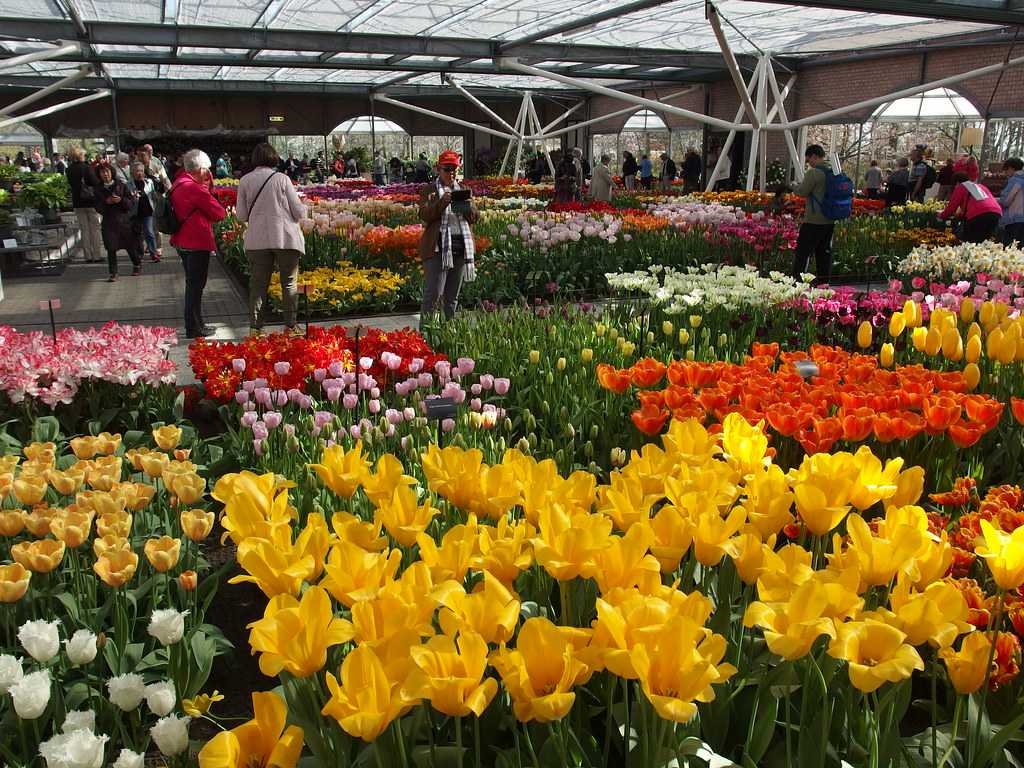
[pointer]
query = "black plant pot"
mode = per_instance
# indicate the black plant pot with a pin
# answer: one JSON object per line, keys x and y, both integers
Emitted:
{"x": 50, "y": 215}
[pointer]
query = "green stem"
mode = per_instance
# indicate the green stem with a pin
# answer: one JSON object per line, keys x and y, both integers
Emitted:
{"x": 608, "y": 721}
{"x": 935, "y": 710}
{"x": 957, "y": 711}
{"x": 458, "y": 739}
{"x": 476, "y": 741}
{"x": 559, "y": 744}
{"x": 529, "y": 745}
{"x": 789, "y": 748}
{"x": 994, "y": 629}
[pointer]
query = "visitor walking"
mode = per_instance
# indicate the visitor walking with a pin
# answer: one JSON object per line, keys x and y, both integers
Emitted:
{"x": 581, "y": 173}
{"x": 446, "y": 245}
{"x": 976, "y": 205}
{"x": 873, "y": 180}
{"x": 629, "y": 171}
{"x": 922, "y": 174}
{"x": 422, "y": 169}
{"x": 82, "y": 181}
{"x": 668, "y": 172}
{"x": 157, "y": 171}
{"x": 379, "y": 169}
{"x": 142, "y": 222}
{"x": 816, "y": 230}
{"x": 601, "y": 183}
{"x": 196, "y": 210}
{"x": 691, "y": 170}
{"x": 339, "y": 165}
{"x": 646, "y": 172}
{"x": 116, "y": 203}
{"x": 267, "y": 200}
{"x": 898, "y": 187}
{"x": 291, "y": 167}
{"x": 1012, "y": 202}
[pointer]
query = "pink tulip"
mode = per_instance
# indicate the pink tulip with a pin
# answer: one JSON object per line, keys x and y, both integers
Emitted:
{"x": 448, "y": 425}
{"x": 501, "y": 386}
{"x": 238, "y": 365}
{"x": 350, "y": 401}
{"x": 272, "y": 419}
{"x": 241, "y": 397}
{"x": 374, "y": 406}
{"x": 248, "y": 419}
{"x": 486, "y": 381}
{"x": 281, "y": 368}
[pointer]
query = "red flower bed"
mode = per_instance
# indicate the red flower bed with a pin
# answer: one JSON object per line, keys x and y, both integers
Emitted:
{"x": 213, "y": 361}
{"x": 592, "y": 206}
{"x": 226, "y": 196}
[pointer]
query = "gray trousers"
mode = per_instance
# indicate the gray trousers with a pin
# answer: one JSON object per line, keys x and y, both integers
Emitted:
{"x": 261, "y": 267}
{"x": 89, "y": 231}
{"x": 441, "y": 283}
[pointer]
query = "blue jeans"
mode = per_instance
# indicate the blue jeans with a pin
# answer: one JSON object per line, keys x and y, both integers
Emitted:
{"x": 149, "y": 234}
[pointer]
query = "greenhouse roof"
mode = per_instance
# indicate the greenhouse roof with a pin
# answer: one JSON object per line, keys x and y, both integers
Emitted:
{"x": 357, "y": 45}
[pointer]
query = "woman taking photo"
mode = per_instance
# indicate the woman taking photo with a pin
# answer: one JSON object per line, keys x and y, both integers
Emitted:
{"x": 116, "y": 204}
{"x": 196, "y": 209}
{"x": 269, "y": 203}
{"x": 977, "y": 206}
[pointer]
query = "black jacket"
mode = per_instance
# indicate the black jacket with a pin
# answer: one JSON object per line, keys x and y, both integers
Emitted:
{"x": 76, "y": 173}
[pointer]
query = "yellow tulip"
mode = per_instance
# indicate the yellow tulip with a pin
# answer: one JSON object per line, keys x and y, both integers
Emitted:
{"x": 874, "y": 482}
{"x": 879, "y": 559}
{"x": 491, "y": 612}
{"x": 348, "y": 527}
{"x": 678, "y": 666}
{"x": 972, "y": 376}
{"x": 967, "y": 309}
{"x": 274, "y": 569}
{"x": 402, "y": 517}
{"x": 744, "y": 444}
{"x": 73, "y": 527}
{"x": 897, "y": 324}
{"x": 993, "y": 344}
{"x": 450, "y": 673}
{"x": 673, "y": 535}
{"x": 784, "y": 571}
{"x": 455, "y": 556}
{"x": 886, "y": 355}
{"x": 262, "y": 741}
{"x": 255, "y": 507}
{"x": 104, "y": 473}
{"x": 711, "y": 532}
{"x": 40, "y": 556}
{"x": 909, "y": 487}
{"x": 294, "y": 635}
{"x": 12, "y": 522}
{"x": 117, "y": 524}
{"x": 101, "y": 502}
{"x": 938, "y": 615}
{"x": 919, "y": 337}
{"x": 792, "y": 625}
{"x": 505, "y": 551}
{"x": 972, "y": 350}
{"x": 366, "y": 699}
{"x": 768, "y": 501}
{"x": 199, "y": 705}
{"x": 875, "y": 652}
{"x": 167, "y": 437}
{"x": 153, "y": 463}
{"x": 695, "y": 321}
{"x": 566, "y": 544}
{"x": 912, "y": 313}
{"x": 29, "y": 489}
{"x": 189, "y": 487}
{"x": 822, "y": 488}
{"x": 196, "y": 524}
{"x": 117, "y": 567}
{"x": 969, "y": 666}
{"x": 343, "y": 471}
{"x": 541, "y": 672}
{"x": 864, "y": 331}
{"x": 64, "y": 483}
{"x": 379, "y": 486}
{"x": 952, "y": 344}
{"x": 933, "y": 342}
{"x": 107, "y": 443}
{"x": 586, "y": 355}
{"x": 38, "y": 520}
{"x": 354, "y": 574}
{"x": 101, "y": 545}
{"x": 625, "y": 562}
{"x": 750, "y": 555}
{"x": 1004, "y": 555}
{"x": 14, "y": 581}
{"x": 84, "y": 447}
{"x": 163, "y": 553}
{"x": 987, "y": 313}
{"x": 1007, "y": 350}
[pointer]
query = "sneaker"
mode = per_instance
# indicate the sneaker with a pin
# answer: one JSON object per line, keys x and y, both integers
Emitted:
{"x": 137, "y": 271}
{"x": 159, "y": 254}
{"x": 112, "y": 279}
{"x": 155, "y": 258}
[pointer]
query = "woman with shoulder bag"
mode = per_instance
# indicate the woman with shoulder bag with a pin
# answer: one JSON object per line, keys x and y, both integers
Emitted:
{"x": 271, "y": 206}
{"x": 142, "y": 221}
{"x": 446, "y": 246}
{"x": 116, "y": 205}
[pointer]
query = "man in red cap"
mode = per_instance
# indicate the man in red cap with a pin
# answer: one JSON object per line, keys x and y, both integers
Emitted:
{"x": 446, "y": 246}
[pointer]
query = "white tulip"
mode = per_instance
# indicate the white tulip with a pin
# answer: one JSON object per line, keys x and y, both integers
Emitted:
{"x": 10, "y": 672}
{"x": 171, "y": 734}
{"x": 77, "y": 749}
{"x": 167, "y": 625}
{"x": 126, "y": 691}
{"x": 84, "y": 720}
{"x": 40, "y": 639}
{"x": 161, "y": 698}
{"x": 31, "y": 694}
{"x": 81, "y": 647}
{"x": 129, "y": 759}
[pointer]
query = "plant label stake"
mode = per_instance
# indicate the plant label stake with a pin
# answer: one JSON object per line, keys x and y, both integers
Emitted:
{"x": 51, "y": 304}
{"x": 806, "y": 368}
{"x": 439, "y": 409}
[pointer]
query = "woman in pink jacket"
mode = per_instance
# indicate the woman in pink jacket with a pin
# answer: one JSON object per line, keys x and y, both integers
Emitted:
{"x": 196, "y": 210}
{"x": 978, "y": 207}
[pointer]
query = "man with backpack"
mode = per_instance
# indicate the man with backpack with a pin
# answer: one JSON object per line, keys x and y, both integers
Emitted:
{"x": 922, "y": 174}
{"x": 829, "y": 199}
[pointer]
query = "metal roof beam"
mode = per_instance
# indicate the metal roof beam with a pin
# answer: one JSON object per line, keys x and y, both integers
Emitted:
{"x": 167, "y": 35}
{"x": 581, "y": 22}
{"x": 1010, "y": 12}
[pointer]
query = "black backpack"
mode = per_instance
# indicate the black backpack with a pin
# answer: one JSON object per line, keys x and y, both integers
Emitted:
{"x": 164, "y": 217}
{"x": 930, "y": 176}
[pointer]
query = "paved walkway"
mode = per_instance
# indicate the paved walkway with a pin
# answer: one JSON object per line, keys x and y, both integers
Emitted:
{"x": 153, "y": 298}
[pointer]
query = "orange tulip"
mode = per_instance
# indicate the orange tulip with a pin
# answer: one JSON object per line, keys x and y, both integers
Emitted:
{"x": 116, "y": 568}
{"x": 14, "y": 581}
{"x": 163, "y": 553}
{"x": 647, "y": 372}
{"x": 612, "y": 379}
{"x": 650, "y": 419}
{"x": 39, "y": 556}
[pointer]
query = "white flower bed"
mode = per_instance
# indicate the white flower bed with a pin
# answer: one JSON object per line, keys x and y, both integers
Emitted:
{"x": 954, "y": 262}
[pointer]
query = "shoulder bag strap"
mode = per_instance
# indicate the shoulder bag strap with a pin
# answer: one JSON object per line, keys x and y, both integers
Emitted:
{"x": 253, "y": 203}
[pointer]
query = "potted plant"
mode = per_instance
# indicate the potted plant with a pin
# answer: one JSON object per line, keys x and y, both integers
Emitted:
{"x": 48, "y": 196}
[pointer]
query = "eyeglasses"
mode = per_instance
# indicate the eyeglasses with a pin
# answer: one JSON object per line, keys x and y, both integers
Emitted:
{"x": 449, "y": 168}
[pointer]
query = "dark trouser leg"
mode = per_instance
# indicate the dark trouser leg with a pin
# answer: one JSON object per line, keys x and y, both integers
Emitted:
{"x": 453, "y": 279}
{"x": 202, "y": 270}
{"x": 823, "y": 254}
{"x": 111, "y": 260}
{"x": 196, "y": 265}
{"x": 433, "y": 285}
{"x": 980, "y": 228}
{"x": 261, "y": 266}
{"x": 1014, "y": 232}
{"x": 135, "y": 252}
{"x": 288, "y": 269}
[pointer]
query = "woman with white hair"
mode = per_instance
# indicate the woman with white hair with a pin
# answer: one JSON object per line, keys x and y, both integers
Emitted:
{"x": 196, "y": 209}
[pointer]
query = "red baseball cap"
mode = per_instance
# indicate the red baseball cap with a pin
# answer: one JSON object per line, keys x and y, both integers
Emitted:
{"x": 450, "y": 157}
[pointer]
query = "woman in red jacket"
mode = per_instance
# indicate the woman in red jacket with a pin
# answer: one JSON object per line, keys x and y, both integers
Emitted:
{"x": 978, "y": 207}
{"x": 196, "y": 210}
